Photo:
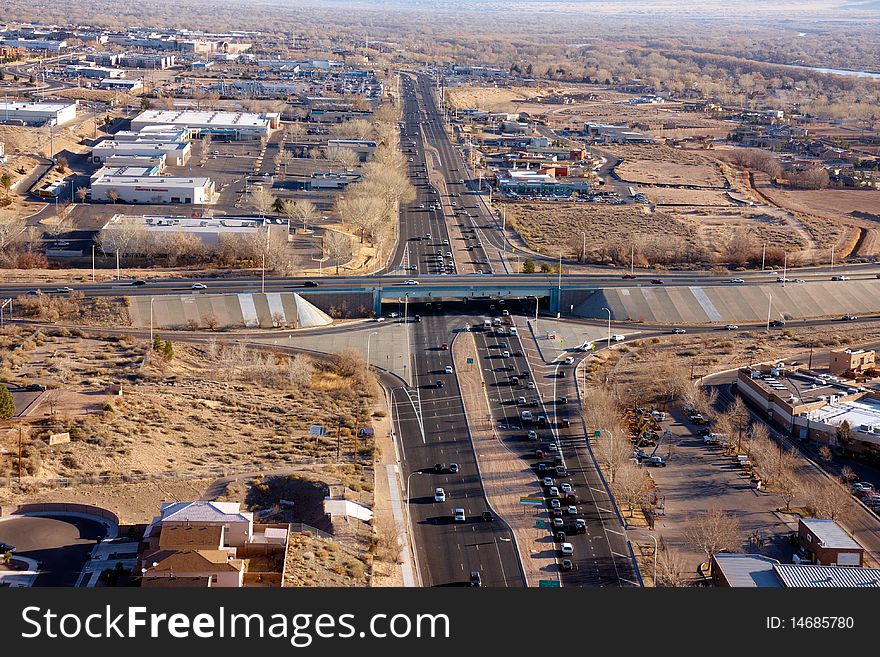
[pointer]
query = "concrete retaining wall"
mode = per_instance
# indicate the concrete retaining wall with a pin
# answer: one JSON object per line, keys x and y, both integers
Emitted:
{"x": 733, "y": 303}
{"x": 249, "y": 310}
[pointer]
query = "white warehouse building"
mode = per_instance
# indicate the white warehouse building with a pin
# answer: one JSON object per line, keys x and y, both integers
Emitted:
{"x": 176, "y": 153}
{"x": 154, "y": 189}
{"x": 37, "y": 113}
{"x": 233, "y": 126}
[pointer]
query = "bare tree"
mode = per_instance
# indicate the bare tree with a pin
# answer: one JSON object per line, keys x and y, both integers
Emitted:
{"x": 670, "y": 569}
{"x": 629, "y": 486}
{"x": 338, "y": 246}
{"x": 345, "y": 156}
{"x": 306, "y": 211}
{"x": 262, "y": 200}
{"x": 713, "y": 531}
{"x": 82, "y": 193}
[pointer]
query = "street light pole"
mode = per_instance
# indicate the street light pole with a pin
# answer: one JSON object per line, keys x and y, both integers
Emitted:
{"x": 769, "y": 310}
{"x": 151, "y": 319}
{"x": 370, "y": 337}
{"x": 537, "y": 304}
{"x": 609, "y": 326}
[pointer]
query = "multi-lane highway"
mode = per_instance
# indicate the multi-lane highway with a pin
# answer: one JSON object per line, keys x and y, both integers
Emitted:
{"x": 433, "y": 431}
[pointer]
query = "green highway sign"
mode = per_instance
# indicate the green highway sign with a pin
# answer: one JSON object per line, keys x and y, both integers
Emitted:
{"x": 597, "y": 434}
{"x": 470, "y": 361}
{"x": 549, "y": 584}
{"x": 540, "y": 524}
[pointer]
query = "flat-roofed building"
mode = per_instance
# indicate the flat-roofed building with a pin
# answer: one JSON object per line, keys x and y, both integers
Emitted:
{"x": 37, "y": 113}
{"x": 154, "y": 189}
{"x": 176, "y": 153}
{"x": 98, "y": 72}
{"x": 153, "y": 162}
{"x": 234, "y": 126}
{"x": 114, "y": 84}
{"x": 210, "y": 230}
{"x": 828, "y": 543}
{"x": 841, "y": 361}
{"x": 363, "y": 148}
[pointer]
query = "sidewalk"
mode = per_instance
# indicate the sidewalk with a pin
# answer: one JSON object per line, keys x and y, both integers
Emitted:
{"x": 506, "y": 478}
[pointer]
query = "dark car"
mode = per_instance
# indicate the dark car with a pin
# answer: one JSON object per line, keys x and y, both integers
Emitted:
{"x": 6, "y": 547}
{"x": 777, "y": 322}
{"x": 487, "y": 516}
{"x": 628, "y": 276}
{"x": 417, "y": 318}
{"x": 310, "y": 284}
{"x": 138, "y": 282}
{"x": 656, "y": 281}
{"x": 475, "y": 579}
{"x": 439, "y": 467}
{"x": 566, "y": 564}
{"x": 559, "y": 537}
{"x": 36, "y": 387}
{"x": 438, "y": 383}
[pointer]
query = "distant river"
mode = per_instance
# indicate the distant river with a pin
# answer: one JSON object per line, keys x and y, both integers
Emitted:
{"x": 833, "y": 71}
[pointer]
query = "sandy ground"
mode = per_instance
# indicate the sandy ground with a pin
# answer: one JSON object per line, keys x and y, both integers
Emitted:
{"x": 663, "y": 172}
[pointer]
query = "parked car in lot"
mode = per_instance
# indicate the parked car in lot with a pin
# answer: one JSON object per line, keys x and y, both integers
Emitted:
{"x": 656, "y": 462}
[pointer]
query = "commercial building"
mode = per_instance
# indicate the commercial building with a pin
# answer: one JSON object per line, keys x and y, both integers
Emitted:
{"x": 524, "y": 182}
{"x": 154, "y": 189}
{"x": 98, "y": 72}
{"x": 113, "y": 84}
{"x": 152, "y": 162}
{"x": 134, "y": 170}
{"x": 828, "y": 544}
{"x": 615, "y": 134}
{"x": 37, "y": 113}
{"x": 46, "y": 45}
{"x": 362, "y": 148}
{"x": 843, "y": 361}
{"x": 755, "y": 570}
{"x": 143, "y": 60}
{"x": 324, "y": 180}
{"x": 233, "y": 126}
{"x": 176, "y": 153}
{"x": 814, "y": 407}
{"x": 209, "y": 230}
{"x": 168, "y": 133}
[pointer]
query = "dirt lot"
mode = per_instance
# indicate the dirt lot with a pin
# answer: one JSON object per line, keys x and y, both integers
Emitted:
{"x": 547, "y": 227}
{"x": 679, "y": 196}
{"x": 661, "y": 165}
{"x": 205, "y": 408}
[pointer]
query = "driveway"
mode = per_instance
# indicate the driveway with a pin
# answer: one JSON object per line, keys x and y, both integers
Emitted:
{"x": 61, "y": 544}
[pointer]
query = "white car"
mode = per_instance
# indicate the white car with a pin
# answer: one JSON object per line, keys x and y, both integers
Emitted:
{"x": 458, "y": 515}
{"x": 736, "y": 280}
{"x": 569, "y": 360}
{"x": 566, "y": 549}
{"x": 618, "y": 338}
{"x": 553, "y": 492}
{"x": 448, "y": 369}
{"x": 842, "y": 277}
{"x": 566, "y": 488}
{"x": 731, "y": 327}
{"x": 410, "y": 282}
{"x": 505, "y": 354}
{"x": 439, "y": 495}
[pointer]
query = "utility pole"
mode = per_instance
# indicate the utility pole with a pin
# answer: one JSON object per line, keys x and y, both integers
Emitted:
{"x": 769, "y": 310}
{"x": 832, "y": 257}
{"x": 19, "y": 452}
{"x": 632, "y": 259}
{"x": 117, "y": 264}
{"x": 784, "y": 269}
{"x": 93, "y": 263}
{"x": 763, "y": 255}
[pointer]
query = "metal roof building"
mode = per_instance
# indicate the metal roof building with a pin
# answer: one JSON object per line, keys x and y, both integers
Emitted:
{"x": 809, "y": 576}
{"x": 231, "y": 125}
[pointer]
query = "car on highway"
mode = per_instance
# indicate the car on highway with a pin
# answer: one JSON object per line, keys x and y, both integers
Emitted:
{"x": 454, "y": 468}
{"x": 439, "y": 495}
{"x": 410, "y": 281}
{"x": 476, "y": 580}
{"x": 438, "y": 383}
{"x": 571, "y": 510}
{"x": 6, "y": 548}
{"x": 679, "y": 331}
{"x": 553, "y": 491}
{"x": 138, "y": 282}
{"x": 448, "y": 369}
{"x": 656, "y": 281}
{"x": 487, "y": 516}
{"x": 849, "y": 318}
{"x": 840, "y": 277}
{"x": 619, "y": 337}
{"x": 566, "y": 565}
{"x": 310, "y": 284}
{"x": 64, "y": 290}
{"x": 777, "y": 323}
{"x": 566, "y": 549}
{"x": 458, "y": 515}
{"x": 569, "y": 360}
{"x": 444, "y": 346}
{"x": 781, "y": 279}
{"x": 628, "y": 276}
{"x": 198, "y": 286}
{"x": 736, "y": 280}
{"x": 731, "y": 327}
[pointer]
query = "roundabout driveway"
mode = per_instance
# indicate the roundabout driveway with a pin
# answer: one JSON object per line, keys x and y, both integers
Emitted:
{"x": 61, "y": 544}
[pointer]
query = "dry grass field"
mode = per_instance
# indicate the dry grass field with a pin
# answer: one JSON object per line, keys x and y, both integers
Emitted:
{"x": 679, "y": 196}
{"x": 206, "y": 408}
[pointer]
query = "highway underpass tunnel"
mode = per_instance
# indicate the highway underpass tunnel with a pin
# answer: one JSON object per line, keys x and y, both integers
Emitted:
{"x": 414, "y": 309}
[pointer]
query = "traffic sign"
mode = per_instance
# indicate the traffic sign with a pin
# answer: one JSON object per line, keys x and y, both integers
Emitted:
{"x": 549, "y": 584}
{"x": 540, "y": 524}
{"x": 597, "y": 434}
{"x": 470, "y": 361}
{"x": 530, "y": 500}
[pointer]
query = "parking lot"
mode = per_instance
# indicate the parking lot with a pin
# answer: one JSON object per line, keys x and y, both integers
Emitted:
{"x": 700, "y": 477}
